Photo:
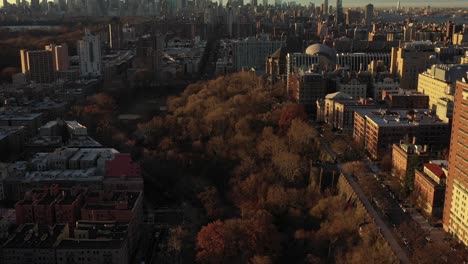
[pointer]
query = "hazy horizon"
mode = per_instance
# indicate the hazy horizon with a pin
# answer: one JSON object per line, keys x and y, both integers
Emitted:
{"x": 362, "y": 3}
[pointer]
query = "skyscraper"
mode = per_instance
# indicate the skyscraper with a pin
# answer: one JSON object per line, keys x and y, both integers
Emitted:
{"x": 265, "y": 3}
{"x": 60, "y": 56}
{"x": 325, "y": 8}
{"x": 369, "y": 13}
{"x": 339, "y": 12}
{"x": 89, "y": 51}
{"x": 35, "y": 6}
{"x": 38, "y": 65}
{"x": 455, "y": 220}
{"x": 115, "y": 34}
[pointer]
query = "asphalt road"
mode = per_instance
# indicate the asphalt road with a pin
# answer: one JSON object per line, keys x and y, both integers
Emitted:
{"x": 385, "y": 230}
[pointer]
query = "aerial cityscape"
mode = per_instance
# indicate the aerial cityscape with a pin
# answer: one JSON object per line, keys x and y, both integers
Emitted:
{"x": 230, "y": 131}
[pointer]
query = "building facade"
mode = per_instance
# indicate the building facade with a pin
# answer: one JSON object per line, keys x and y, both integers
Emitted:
{"x": 455, "y": 219}
{"x": 406, "y": 158}
{"x": 376, "y": 130}
{"x": 251, "y": 52}
{"x": 337, "y": 110}
{"x": 409, "y": 61}
{"x": 38, "y": 65}
{"x": 429, "y": 187}
{"x": 89, "y": 51}
{"x": 439, "y": 82}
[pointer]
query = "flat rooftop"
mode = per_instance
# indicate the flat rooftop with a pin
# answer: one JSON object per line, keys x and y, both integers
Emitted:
{"x": 112, "y": 202}
{"x": 5, "y": 131}
{"x": 20, "y": 116}
{"x": 67, "y": 244}
{"x": 384, "y": 117}
{"x": 63, "y": 175}
{"x": 25, "y": 236}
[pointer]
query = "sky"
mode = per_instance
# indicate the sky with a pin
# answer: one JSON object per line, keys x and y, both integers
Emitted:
{"x": 376, "y": 3}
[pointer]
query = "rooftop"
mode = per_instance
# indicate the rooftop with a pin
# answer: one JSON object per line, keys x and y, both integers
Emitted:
{"x": 19, "y": 116}
{"x": 385, "y": 117}
{"x": 5, "y": 131}
{"x": 435, "y": 169}
{"x": 89, "y": 244}
{"x": 103, "y": 229}
{"x": 35, "y": 236}
{"x": 112, "y": 203}
{"x": 63, "y": 175}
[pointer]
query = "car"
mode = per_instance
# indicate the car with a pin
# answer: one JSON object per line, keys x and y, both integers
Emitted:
{"x": 157, "y": 235}
{"x": 428, "y": 238}
{"x": 405, "y": 241}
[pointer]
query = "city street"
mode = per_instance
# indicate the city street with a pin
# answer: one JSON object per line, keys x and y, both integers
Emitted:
{"x": 385, "y": 230}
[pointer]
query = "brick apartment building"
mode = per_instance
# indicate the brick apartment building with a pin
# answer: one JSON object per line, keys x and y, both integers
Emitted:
{"x": 429, "y": 187}
{"x": 455, "y": 218}
{"x": 122, "y": 174}
{"x": 337, "y": 110}
{"x": 406, "y": 157}
{"x": 48, "y": 206}
{"x": 377, "y": 130}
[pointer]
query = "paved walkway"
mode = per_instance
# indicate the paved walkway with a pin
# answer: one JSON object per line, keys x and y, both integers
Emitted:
{"x": 385, "y": 231}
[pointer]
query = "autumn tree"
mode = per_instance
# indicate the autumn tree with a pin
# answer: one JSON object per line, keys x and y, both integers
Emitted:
{"x": 237, "y": 240}
{"x": 210, "y": 200}
{"x": 289, "y": 113}
{"x": 301, "y": 136}
{"x": 289, "y": 166}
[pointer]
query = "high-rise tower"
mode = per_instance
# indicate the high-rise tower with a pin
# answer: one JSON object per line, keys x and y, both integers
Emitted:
{"x": 115, "y": 34}
{"x": 369, "y": 13}
{"x": 89, "y": 51}
{"x": 339, "y": 12}
{"x": 38, "y": 65}
{"x": 455, "y": 220}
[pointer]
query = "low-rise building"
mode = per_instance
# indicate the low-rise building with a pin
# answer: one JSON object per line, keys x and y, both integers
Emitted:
{"x": 376, "y": 130}
{"x": 30, "y": 121}
{"x": 385, "y": 84}
{"x": 337, "y": 110}
{"x": 354, "y": 87}
{"x": 51, "y": 205}
{"x": 403, "y": 99}
{"x": 96, "y": 242}
{"x": 429, "y": 187}
{"x": 406, "y": 158}
{"x": 123, "y": 174}
{"x": 118, "y": 206}
{"x": 67, "y": 167}
{"x": 32, "y": 243}
{"x": 12, "y": 141}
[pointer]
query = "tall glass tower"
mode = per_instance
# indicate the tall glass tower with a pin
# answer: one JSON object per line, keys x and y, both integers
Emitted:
{"x": 339, "y": 12}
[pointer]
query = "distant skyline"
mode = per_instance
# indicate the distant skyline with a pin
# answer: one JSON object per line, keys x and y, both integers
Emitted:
{"x": 362, "y": 3}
